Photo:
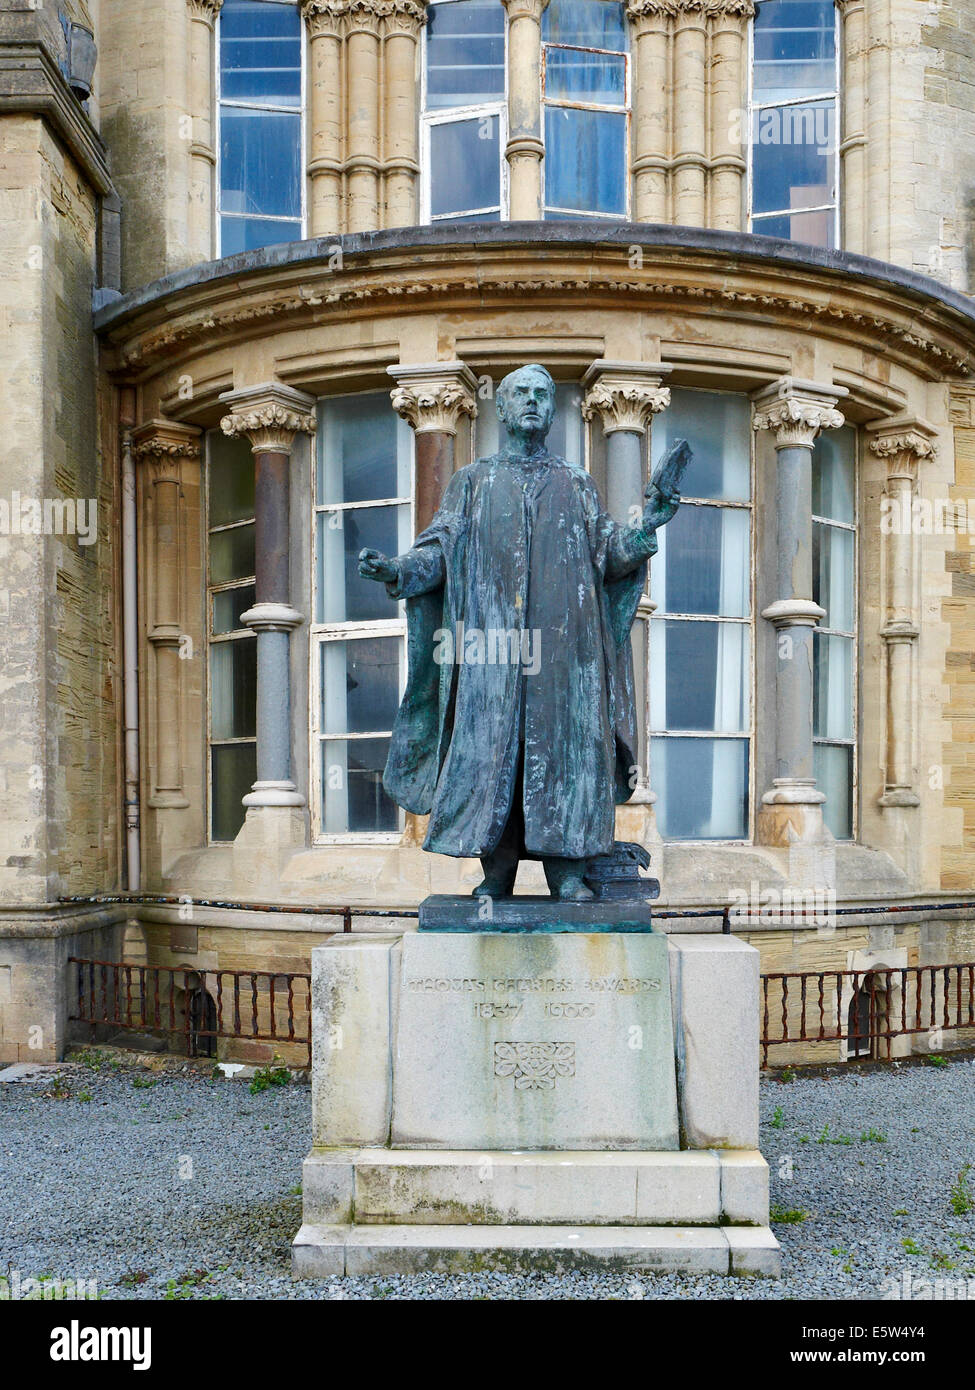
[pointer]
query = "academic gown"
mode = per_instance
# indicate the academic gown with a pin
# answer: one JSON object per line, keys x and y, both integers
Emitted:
{"x": 519, "y": 542}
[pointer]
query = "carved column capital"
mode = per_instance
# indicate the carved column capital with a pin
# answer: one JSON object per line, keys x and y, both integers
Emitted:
{"x": 797, "y": 410}
{"x": 525, "y": 9}
{"x": 269, "y": 416}
{"x": 625, "y": 395}
{"x": 433, "y": 397}
{"x": 324, "y": 16}
{"x": 161, "y": 444}
{"x": 205, "y": 11}
{"x": 903, "y": 440}
{"x": 404, "y": 17}
{"x": 643, "y": 13}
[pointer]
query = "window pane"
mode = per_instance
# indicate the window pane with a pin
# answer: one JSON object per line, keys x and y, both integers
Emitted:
{"x": 718, "y": 429}
{"x": 365, "y": 450}
{"x": 795, "y": 48}
{"x": 585, "y": 160}
{"x": 578, "y": 75}
{"x": 465, "y": 165}
{"x": 260, "y": 53}
{"x": 232, "y": 554}
{"x": 833, "y": 769}
{"x": 251, "y": 233}
{"x": 233, "y": 689}
{"x": 360, "y": 685}
{"x": 833, "y": 488}
{"x": 590, "y": 23}
{"x": 228, "y": 605}
{"x": 811, "y": 228}
{"x": 353, "y": 798}
{"x": 701, "y": 786}
{"x": 702, "y": 565}
{"x": 832, "y": 686}
{"x": 233, "y": 772}
{"x": 792, "y": 157}
{"x": 260, "y": 170}
{"x": 231, "y": 479}
{"x": 465, "y": 53}
{"x": 343, "y": 595}
{"x": 699, "y": 676}
{"x": 833, "y": 574}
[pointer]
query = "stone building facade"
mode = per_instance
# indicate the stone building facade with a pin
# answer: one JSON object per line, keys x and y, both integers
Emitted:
{"x": 265, "y": 264}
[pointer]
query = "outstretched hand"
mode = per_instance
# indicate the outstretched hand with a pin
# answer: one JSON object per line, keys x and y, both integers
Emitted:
{"x": 660, "y": 508}
{"x": 373, "y": 564}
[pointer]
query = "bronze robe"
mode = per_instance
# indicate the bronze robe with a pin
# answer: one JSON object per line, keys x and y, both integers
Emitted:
{"x": 520, "y": 543}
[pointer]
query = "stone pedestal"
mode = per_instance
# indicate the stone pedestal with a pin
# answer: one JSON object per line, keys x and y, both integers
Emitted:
{"x": 533, "y": 1101}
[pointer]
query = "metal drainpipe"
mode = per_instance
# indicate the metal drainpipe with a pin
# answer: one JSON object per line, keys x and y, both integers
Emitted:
{"x": 130, "y": 643}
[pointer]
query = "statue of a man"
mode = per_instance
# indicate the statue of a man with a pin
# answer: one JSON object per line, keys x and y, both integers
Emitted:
{"x": 516, "y": 732}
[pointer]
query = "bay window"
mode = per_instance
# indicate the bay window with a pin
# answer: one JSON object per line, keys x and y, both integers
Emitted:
{"x": 363, "y": 497}
{"x": 232, "y": 648}
{"x": 585, "y": 91}
{"x": 464, "y": 119}
{"x": 794, "y": 168}
{"x": 700, "y": 632}
{"x": 260, "y": 165}
{"x": 834, "y": 642}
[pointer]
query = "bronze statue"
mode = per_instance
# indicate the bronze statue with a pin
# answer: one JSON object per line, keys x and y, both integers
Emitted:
{"x": 516, "y": 732}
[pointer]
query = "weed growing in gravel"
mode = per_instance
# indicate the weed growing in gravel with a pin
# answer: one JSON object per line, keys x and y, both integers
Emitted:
{"x": 96, "y": 1060}
{"x": 936, "y": 1060}
{"x": 787, "y": 1216}
{"x": 132, "y": 1277}
{"x": 60, "y": 1090}
{"x": 873, "y": 1136}
{"x": 776, "y": 1121}
{"x": 900, "y": 1211}
{"x": 787, "y": 1074}
{"x": 962, "y": 1196}
{"x": 911, "y": 1246}
{"x": 142, "y": 1083}
{"x": 183, "y": 1287}
{"x": 84, "y": 1095}
{"x": 269, "y": 1075}
{"x": 939, "y": 1260}
{"x": 827, "y": 1138}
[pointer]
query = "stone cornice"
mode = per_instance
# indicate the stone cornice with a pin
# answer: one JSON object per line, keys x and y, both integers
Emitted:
{"x": 525, "y": 9}
{"x": 30, "y": 80}
{"x": 269, "y": 415}
{"x": 797, "y": 411}
{"x": 434, "y": 397}
{"x": 890, "y": 311}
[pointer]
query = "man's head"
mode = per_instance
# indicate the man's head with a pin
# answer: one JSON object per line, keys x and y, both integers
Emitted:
{"x": 526, "y": 405}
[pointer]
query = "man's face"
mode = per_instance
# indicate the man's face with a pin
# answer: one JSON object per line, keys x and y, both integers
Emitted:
{"x": 528, "y": 408}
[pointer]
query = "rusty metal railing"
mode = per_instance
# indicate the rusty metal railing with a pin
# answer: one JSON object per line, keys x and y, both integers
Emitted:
{"x": 194, "y": 1007}
{"x": 866, "y": 1009}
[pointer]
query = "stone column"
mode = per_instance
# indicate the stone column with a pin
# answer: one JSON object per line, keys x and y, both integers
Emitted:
{"x": 853, "y": 148}
{"x": 690, "y": 163}
{"x": 203, "y": 161}
{"x": 902, "y": 441}
{"x": 795, "y": 411}
{"x": 362, "y": 165}
{"x": 525, "y": 148}
{"x": 325, "y": 22}
{"x": 163, "y": 446}
{"x": 402, "y": 25}
{"x": 728, "y": 98}
{"x": 651, "y": 108}
{"x": 433, "y": 398}
{"x": 270, "y": 416}
{"x": 625, "y": 396}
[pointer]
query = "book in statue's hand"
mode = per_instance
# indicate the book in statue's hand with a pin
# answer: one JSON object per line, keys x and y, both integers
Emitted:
{"x": 670, "y": 470}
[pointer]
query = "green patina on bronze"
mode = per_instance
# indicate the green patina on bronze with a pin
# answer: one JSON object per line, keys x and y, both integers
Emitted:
{"x": 517, "y": 729}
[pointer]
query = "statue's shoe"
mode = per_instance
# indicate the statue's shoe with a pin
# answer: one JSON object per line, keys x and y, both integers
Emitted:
{"x": 574, "y": 891}
{"x": 494, "y": 888}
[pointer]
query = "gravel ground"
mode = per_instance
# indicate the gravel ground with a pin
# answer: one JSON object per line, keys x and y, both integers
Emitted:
{"x": 174, "y": 1185}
